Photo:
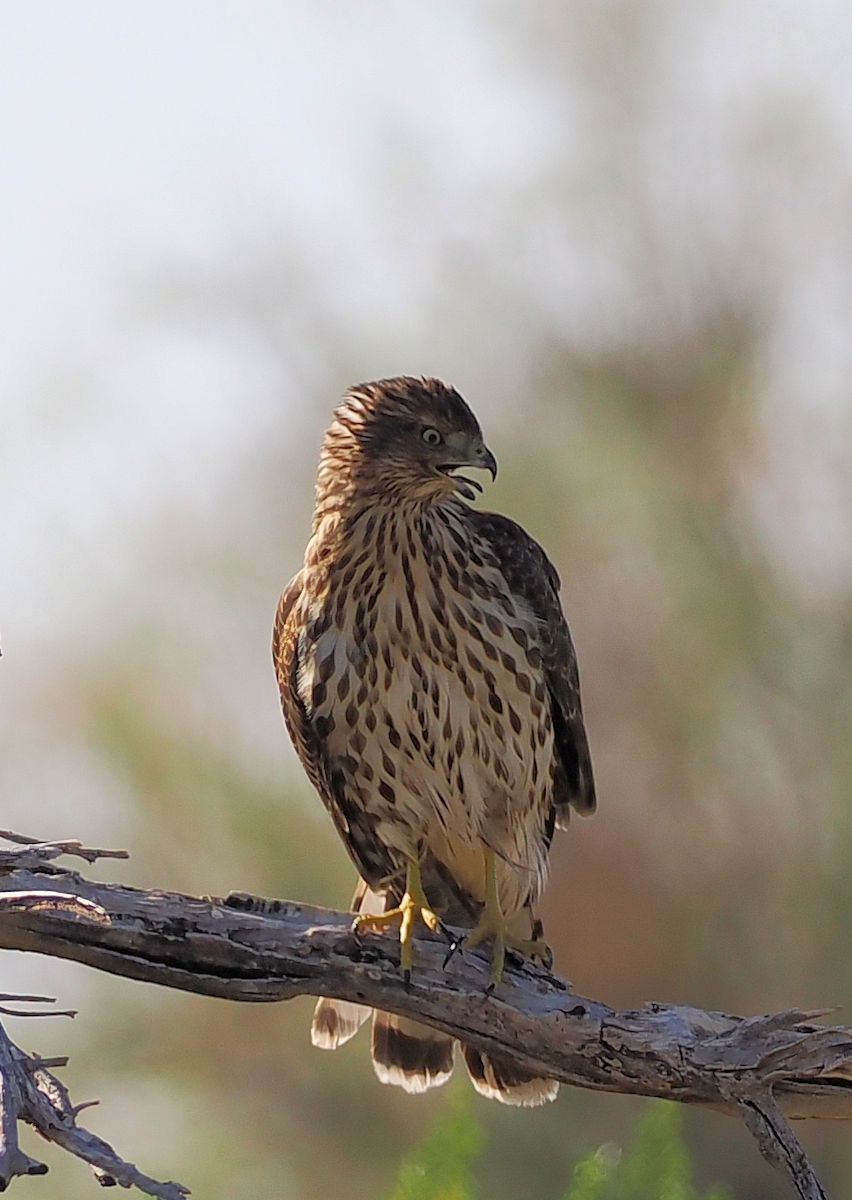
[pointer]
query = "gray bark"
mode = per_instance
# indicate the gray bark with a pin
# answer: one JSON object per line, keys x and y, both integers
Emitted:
{"x": 763, "y": 1069}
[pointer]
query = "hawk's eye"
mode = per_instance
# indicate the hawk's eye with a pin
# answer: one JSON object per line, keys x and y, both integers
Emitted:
{"x": 431, "y": 436}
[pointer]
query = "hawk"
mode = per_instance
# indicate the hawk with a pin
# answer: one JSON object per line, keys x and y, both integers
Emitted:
{"x": 430, "y": 687}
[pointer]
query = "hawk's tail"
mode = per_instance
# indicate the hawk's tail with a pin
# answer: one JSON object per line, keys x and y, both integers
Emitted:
{"x": 410, "y": 1055}
{"x": 336, "y": 1021}
{"x": 498, "y": 1078}
{"x": 413, "y": 1056}
{"x": 405, "y": 1053}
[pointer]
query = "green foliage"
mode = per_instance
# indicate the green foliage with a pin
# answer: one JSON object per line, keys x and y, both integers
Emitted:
{"x": 441, "y": 1167}
{"x": 590, "y": 1176}
{"x": 655, "y": 1166}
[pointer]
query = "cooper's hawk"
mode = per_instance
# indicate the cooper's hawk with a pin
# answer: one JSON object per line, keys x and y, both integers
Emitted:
{"x": 429, "y": 684}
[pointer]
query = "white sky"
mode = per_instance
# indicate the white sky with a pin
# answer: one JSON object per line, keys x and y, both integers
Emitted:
{"x": 139, "y": 140}
{"x": 172, "y": 128}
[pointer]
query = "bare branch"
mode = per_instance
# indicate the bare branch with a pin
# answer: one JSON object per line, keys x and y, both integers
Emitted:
{"x": 780, "y": 1146}
{"x": 24, "y": 1012}
{"x": 23, "y": 999}
{"x": 42, "y": 852}
{"x": 28, "y": 1092}
{"x": 764, "y": 1069}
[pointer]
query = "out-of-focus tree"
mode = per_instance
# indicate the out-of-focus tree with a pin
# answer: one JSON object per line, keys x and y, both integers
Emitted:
{"x": 619, "y": 306}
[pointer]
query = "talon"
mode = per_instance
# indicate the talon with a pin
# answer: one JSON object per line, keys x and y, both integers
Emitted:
{"x": 492, "y": 924}
{"x": 447, "y": 933}
{"x": 412, "y": 905}
{"x": 454, "y": 948}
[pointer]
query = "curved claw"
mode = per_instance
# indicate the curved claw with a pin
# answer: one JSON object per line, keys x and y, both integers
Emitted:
{"x": 447, "y": 933}
{"x": 455, "y": 946}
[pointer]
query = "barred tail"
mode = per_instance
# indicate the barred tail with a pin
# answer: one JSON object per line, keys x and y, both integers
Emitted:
{"x": 409, "y": 1055}
{"x": 499, "y": 1079}
{"x": 335, "y": 1022}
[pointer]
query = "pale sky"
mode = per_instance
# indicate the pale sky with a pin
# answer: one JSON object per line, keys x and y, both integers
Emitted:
{"x": 139, "y": 141}
{"x": 144, "y": 142}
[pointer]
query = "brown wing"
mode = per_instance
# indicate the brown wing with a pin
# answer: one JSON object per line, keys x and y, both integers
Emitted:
{"x": 353, "y": 824}
{"x": 531, "y": 576}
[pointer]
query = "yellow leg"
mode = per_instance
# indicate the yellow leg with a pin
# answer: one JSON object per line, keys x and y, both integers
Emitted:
{"x": 492, "y": 924}
{"x": 412, "y": 905}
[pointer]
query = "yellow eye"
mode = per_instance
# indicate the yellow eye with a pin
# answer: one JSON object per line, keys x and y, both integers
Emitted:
{"x": 431, "y": 436}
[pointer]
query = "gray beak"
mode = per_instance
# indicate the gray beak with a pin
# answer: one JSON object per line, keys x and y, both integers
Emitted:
{"x": 488, "y": 462}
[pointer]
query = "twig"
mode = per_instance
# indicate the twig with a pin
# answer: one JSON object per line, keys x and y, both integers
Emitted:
{"x": 29, "y": 1092}
{"x": 42, "y": 852}
{"x": 780, "y": 1146}
{"x": 25, "y": 1012}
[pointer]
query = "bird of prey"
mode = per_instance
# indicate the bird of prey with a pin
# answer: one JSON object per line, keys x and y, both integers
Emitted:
{"x": 429, "y": 684}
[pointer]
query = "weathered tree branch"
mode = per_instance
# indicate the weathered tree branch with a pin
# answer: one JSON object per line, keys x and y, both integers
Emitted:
{"x": 766, "y": 1069}
{"x": 30, "y": 1093}
{"x": 28, "y": 1090}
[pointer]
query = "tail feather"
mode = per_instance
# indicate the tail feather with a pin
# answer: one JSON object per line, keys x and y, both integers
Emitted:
{"x": 335, "y": 1022}
{"x": 410, "y": 1055}
{"x": 499, "y": 1079}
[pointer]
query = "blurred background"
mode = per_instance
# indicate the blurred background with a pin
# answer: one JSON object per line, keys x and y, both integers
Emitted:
{"x": 623, "y": 232}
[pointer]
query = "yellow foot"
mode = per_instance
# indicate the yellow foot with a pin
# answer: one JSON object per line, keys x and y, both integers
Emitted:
{"x": 492, "y": 924}
{"x": 503, "y": 941}
{"x": 412, "y": 905}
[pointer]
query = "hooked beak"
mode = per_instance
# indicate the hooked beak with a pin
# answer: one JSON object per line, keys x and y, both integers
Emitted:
{"x": 488, "y": 462}
{"x": 480, "y": 458}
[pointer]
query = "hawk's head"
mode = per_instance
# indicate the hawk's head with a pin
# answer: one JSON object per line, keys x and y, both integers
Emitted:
{"x": 404, "y": 438}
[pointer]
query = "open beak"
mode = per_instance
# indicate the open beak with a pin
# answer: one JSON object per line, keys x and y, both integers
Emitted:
{"x": 484, "y": 459}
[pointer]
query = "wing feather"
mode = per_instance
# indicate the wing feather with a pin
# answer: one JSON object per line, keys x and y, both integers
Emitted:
{"x": 351, "y": 821}
{"x": 532, "y": 576}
